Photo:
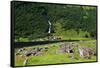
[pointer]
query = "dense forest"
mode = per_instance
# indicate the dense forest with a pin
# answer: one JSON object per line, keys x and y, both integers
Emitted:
{"x": 67, "y": 21}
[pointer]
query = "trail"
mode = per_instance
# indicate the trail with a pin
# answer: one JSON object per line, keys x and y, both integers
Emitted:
{"x": 25, "y": 61}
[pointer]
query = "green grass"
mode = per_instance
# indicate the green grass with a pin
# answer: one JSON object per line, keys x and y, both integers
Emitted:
{"x": 75, "y": 38}
{"x": 51, "y": 57}
{"x": 48, "y": 59}
{"x": 22, "y": 39}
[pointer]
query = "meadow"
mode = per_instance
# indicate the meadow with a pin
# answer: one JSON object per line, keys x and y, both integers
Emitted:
{"x": 54, "y": 56}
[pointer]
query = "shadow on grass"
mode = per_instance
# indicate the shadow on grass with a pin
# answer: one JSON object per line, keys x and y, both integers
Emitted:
{"x": 25, "y": 44}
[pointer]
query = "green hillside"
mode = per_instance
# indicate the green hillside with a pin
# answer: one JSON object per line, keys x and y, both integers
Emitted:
{"x": 67, "y": 21}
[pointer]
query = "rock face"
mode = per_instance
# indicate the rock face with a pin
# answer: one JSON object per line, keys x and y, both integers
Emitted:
{"x": 32, "y": 51}
{"x": 85, "y": 52}
{"x": 71, "y": 48}
{"x": 26, "y": 53}
{"x": 66, "y": 48}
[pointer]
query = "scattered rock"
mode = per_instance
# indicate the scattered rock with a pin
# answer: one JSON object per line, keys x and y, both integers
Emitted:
{"x": 85, "y": 52}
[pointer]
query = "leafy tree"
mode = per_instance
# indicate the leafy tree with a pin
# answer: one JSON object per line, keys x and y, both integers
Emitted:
{"x": 31, "y": 20}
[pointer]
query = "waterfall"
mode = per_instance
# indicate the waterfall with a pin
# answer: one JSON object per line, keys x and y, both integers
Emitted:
{"x": 49, "y": 31}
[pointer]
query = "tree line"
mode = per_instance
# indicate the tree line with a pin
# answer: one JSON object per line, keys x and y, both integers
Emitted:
{"x": 31, "y": 20}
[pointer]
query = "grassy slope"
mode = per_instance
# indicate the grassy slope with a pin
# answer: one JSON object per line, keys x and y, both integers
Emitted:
{"x": 52, "y": 58}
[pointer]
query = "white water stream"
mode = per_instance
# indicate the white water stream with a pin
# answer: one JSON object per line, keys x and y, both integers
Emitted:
{"x": 49, "y": 31}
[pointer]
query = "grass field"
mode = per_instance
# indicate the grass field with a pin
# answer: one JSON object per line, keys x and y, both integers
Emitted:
{"x": 52, "y": 56}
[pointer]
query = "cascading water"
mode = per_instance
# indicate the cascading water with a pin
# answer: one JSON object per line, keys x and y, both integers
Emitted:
{"x": 49, "y": 31}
